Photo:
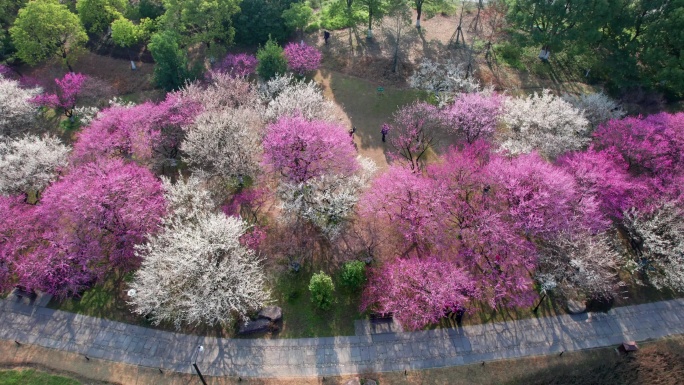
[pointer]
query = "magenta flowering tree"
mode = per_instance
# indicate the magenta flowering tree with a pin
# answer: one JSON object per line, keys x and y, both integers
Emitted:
{"x": 604, "y": 175}
{"x": 543, "y": 200}
{"x": 474, "y": 116}
{"x": 16, "y": 230}
{"x": 68, "y": 89}
{"x": 476, "y": 234}
{"x": 299, "y": 149}
{"x": 86, "y": 226}
{"x": 240, "y": 64}
{"x": 653, "y": 148}
{"x": 418, "y": 291}
{"x": 302, "y": 58}
{"x": 413, "y": 131}
{"x": 409, "y": 203}
{"x": 147, "y": 133}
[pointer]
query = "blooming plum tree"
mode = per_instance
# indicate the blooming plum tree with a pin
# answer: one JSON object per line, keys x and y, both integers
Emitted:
{"x": 148, "y": 133}
{"x": 580, "y": 263}
{"x": 29, "y": 164}
{"x": 68, "y": 89}
{"x": 474, "y": 116}
{"x": 418, "y": 291}
{"x": 224, "y": 144}
{"x": 413, "y": 131}
{"x": 653, "y": 146}
{"x": 197, "y": 270}
{"x": 545, "y": 123}
{"x": 77, "y": 241}
{"x": 302, "y": 58}
{"x": 328, "y": 200}
{"x": 296, "y": 98}
{"x": 407, "y": 202}
{"x": 300, "y": 150}
{"x": 659, "y": 237}
{"x": 598, "y": 108}
{"x": 604, "y": 175}
{"x": 241, "y": 64}
{"x": 541, "y": 199}
{"x": 17, "y": 113}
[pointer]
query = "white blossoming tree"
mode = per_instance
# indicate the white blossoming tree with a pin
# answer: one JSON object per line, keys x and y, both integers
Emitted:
{"x": 225, "y": 144}
{"x": 443, "y": 79}
{"x": 196, "y": 270}
{"x": 29, "y": 164}
{"x": 326, "y": 201}
{"x": 290, "y": 98}
{"x": 598, "y": 108}
{"x": 17, "y": 113}
{"x": 580, "y": 264}
{"x": 545, "y": 123}
{"x": 659, "y": 237}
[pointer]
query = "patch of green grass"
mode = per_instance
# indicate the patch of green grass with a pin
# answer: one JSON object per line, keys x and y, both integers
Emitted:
{"x": 104, "y": 301}
{"x": 301, "y": 318}
{"x": 33, "y": 377}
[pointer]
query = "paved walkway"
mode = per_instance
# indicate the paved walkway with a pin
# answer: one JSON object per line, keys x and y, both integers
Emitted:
{"x": 308, "y": 357}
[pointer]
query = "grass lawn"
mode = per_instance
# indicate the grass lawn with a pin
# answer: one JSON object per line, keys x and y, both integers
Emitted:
{"x": 366, "y": 108}
{"x": 302, "y": 319}
{"x": 33, "y": 377}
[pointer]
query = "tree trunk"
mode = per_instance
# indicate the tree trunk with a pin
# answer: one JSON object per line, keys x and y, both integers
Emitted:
{"x": 370, "y": 22}
{"x": 419, "y": 10}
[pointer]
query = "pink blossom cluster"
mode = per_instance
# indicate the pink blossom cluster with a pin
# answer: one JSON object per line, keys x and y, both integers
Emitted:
{"x": 139, "y": 132}
{"x": 299, "y": 149}
{"x": 302, "y": 58}
{"x": 84, "y": 228}
{"x": 240, "y": 64}
{"x": 469, "y": 225}
{"x": 68, "y": 89}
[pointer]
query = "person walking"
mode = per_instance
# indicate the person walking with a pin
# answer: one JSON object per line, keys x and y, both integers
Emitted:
{"x": 326, "y": 36}
{"x": 384, "y": 130}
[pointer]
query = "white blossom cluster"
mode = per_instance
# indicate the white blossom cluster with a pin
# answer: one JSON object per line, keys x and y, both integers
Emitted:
{"x": 326, "y": 201}
{"x": 196, "y": 270}
{"x": 30, "y": 163}
{"x": 86, "y": 114}
{"x": 661, "y": 235}
{"x": 285, "y": 97}
{"x": 598, "y": 108}
{"x": 545, "y": 123}
{"x": 17, "y": 113}
{"x": 224, "y": 143}
{"x": 445, "y": 79}
{"x": 583, "y": 264}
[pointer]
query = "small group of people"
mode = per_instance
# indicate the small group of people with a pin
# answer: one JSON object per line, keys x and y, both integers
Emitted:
{"x": 384, "y": 130}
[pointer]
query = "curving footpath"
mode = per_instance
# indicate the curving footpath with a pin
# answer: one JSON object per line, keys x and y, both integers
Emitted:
{"x": 365, "y": 352}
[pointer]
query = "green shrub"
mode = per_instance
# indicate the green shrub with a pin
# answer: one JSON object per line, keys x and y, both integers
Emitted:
{"x": 271, "y": 60}
{"x": 510, "y": 55}
{"x": 354, "y": 274}
{"x": 313, "y": 27}
{"x": 321, "y": 287}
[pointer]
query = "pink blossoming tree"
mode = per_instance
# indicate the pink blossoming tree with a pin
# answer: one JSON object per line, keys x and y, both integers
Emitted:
{"x": 413, "y": 131}
{"x": 418, "y": 291}
{"x": 302, "y": 58}
{"x": 68, "y": 89}
{"x": 147, "y": 133}
{"x": 240, "y": 64}
{"x": 300, "y": 150}
{"x": 86, "y": 226}
{"x": 474, "y": 116}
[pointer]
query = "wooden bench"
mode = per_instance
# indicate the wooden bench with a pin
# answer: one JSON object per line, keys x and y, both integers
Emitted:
{"x": 381, "y": 318}
{"x": 21, "y": 292}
